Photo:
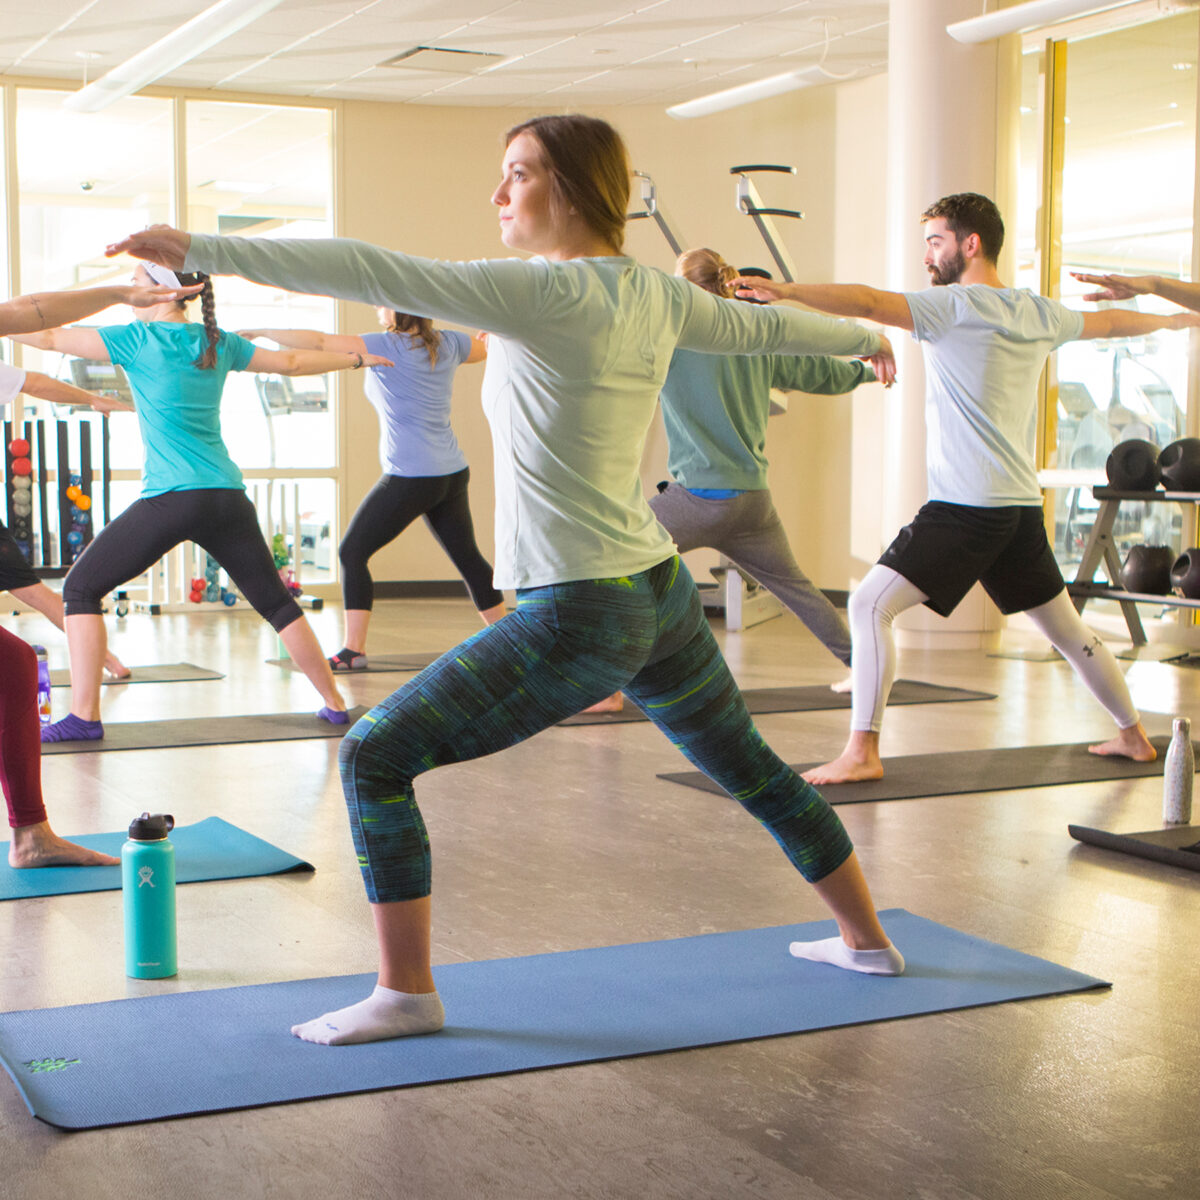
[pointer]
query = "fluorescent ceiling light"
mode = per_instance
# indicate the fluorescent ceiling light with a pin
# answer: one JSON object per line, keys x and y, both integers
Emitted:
{"x": 1021, "y": 18}
{"x": 194, "y": 37}
{"x": 746, "y": 93}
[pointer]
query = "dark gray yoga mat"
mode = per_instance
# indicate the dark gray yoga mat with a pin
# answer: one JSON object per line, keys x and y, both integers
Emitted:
{"x": 155, "y": 673}
{"x": 1177, "y": 845}
{"x": 207, "y": 731}
{"x": 90, "y": 1065}
{"x": 950, "y": 774}
{"x": 811, "y": 698}
{"x": 209, "y": 849}
{"x": 376, "y": 662}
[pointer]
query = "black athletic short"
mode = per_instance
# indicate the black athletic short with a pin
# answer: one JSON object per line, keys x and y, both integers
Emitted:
{"x": 950, "y": 547}
{"x": 15, "y": 571}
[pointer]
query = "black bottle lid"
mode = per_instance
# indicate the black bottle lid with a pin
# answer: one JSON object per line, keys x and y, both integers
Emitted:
{"x": 151, "y": 828}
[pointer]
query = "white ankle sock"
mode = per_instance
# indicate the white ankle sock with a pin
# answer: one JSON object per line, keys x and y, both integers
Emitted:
{"x": 835, "y": 952}
{"x": 383, "y": 1014}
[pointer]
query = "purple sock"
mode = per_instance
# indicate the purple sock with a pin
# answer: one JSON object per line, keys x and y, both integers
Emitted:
{"x": 332, "y": 715}
{"x": 73, "y": 729}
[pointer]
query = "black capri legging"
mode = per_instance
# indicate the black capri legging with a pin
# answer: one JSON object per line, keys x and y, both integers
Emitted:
{"x": 221, "y": 520}
{"x": 390, "y": 507}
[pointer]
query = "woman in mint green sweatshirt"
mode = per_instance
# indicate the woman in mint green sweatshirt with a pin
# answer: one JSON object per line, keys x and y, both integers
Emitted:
{"x": 581, "y": 337}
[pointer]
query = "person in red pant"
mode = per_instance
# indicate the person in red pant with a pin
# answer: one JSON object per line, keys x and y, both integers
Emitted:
{"x": 34, "y": 843}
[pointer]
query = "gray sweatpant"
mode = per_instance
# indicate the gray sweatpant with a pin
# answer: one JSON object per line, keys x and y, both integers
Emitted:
{"x": 747, "y": 530}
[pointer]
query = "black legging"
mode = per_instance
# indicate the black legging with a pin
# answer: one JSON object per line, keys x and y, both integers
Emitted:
{"x": 390, "y": 507}
{"x": 221, "y": 520}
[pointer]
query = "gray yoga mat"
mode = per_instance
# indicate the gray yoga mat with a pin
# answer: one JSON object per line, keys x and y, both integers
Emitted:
{"x": 811, "y": 698}
{"x": 950, "y": 774}
{"x": 376, "y": 662}
{"x": 154, "y": 673}
{"x": 90, "y": 1065}
{"x": 1176, "y": 845}
{"x": 207, "y": 731}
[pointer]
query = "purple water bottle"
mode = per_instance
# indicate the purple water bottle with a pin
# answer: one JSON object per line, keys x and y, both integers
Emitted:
{"x": 43, "y": 700}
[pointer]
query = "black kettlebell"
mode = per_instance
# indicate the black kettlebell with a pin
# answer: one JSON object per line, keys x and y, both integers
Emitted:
{"x": 1147, "y": 569}
{"x": 1133, "y": 466}
{"x": 1179, "y": 464}
{"x": 1185, "y": 574}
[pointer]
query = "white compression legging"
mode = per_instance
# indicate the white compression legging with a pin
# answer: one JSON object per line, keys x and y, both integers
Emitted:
{"x": 884, "y": 594}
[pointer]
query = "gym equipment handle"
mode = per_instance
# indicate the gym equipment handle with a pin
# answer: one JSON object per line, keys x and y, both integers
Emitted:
{"x": 763, "y": 167}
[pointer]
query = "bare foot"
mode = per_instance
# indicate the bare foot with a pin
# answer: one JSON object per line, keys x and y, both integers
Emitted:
{"x": 40, "y": 846}
{"x": 1129, "y": 743}
{"x": 843, "y": 686}
{"x": 116, "y": 668}
{"x": 847, "y": 768}
{"x": 613, "y": 703}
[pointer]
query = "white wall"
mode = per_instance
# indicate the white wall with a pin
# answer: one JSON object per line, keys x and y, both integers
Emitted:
{"x": 420, "y": 178}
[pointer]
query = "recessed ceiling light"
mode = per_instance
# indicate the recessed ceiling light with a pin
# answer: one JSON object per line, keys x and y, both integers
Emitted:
{"x": 1182, "y": 66}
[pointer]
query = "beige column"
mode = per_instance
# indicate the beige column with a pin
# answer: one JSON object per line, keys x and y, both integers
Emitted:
{"x": 942, "y": 138}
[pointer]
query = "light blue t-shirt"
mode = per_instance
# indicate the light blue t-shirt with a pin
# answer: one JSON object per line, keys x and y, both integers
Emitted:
{"x": 576, "y": 358}
{"x": 413, "y": 402}
{"x": 984, "y": 350}
{"x": 178, "y": 404}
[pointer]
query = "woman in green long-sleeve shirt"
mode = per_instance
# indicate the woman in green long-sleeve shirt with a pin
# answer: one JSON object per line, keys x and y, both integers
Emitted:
{"x": 715, "y": 409}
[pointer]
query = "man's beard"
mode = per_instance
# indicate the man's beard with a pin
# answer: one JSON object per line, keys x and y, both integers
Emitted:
{"x": 948, "y": 272}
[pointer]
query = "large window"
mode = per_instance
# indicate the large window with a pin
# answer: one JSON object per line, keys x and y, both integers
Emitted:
{"x": 85, "y": 180}
{"x": 263, "y": 171}
{"x": 1122, "y": 201}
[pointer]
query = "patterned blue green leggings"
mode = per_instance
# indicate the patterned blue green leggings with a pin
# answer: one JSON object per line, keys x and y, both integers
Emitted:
{"x": 565, "y": 647}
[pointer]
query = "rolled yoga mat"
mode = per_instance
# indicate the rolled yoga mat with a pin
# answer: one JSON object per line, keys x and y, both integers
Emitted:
{"x": 908, "y": 776}
{"x": 377, "y": 662}
{"x": 207, "y": 731}
{"x": 154, "y": 673}
{"x": 85, "y": 1065}
{"x": 209, "y": 849}
{"x": 812, "y": 698}
{"x": 1176, "y": 845}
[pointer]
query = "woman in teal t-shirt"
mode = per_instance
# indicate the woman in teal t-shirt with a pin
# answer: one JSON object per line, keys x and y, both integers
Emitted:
{"x": 192, "y": 490}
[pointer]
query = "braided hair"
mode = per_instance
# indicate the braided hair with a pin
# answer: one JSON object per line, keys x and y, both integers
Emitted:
{"x": 208, "y": 311}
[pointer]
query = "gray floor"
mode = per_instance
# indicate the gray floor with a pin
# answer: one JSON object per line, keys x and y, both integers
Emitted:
{"x": 569, "y": 841}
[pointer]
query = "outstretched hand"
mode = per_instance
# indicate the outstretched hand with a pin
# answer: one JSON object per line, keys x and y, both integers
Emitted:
{"x": 883, "y": 362}
{"x": 148, "y": 297}
{"x": 161, "y": 244}
{"x": 753, "y": 287}
{"x": 1115, "y": 287}
{"x": 110, "y": 404}
{"x": 376, "y": 360}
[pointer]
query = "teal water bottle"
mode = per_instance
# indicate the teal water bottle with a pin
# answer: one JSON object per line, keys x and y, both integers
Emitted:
{"x": 148, "y": 892}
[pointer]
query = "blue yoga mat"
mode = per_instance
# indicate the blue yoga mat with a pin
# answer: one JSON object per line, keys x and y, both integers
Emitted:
{"x": 210, "y": 849}
{"x": 86, "y": 1065}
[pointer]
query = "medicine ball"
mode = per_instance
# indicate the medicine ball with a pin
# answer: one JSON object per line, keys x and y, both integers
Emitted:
{"x": 1147, "y": 569}
{"x": 1133, "y": 466}
{"x": 1185, "y": 574}
{"x": 1180, "y": 465}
